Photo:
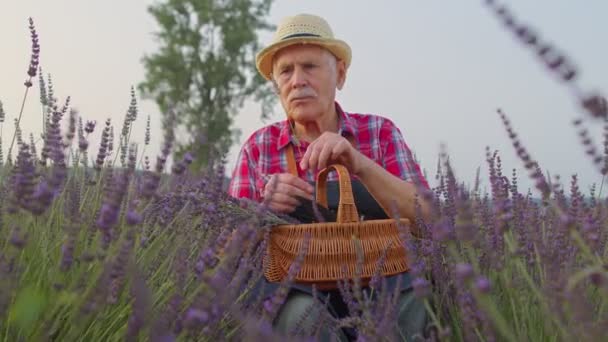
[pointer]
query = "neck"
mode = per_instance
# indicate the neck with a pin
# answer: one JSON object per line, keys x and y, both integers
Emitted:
{"x": 311, "y": 130}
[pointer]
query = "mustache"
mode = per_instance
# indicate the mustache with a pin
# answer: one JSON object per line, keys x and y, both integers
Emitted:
{"x": 300, "y": 93}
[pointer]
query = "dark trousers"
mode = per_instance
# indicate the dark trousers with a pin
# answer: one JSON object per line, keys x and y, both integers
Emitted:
{"x": 297, "y": 312}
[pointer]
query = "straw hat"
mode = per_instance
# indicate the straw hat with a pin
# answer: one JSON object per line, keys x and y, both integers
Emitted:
{"x": 301, "y": 29}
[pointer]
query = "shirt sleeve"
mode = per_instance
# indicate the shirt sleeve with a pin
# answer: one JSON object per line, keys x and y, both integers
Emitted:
{"x": 397, "y": 156}
{"x": 245, "y": 181}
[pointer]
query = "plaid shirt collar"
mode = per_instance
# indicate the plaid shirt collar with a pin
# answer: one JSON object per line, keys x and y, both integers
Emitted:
{"x": 347, "y": 126}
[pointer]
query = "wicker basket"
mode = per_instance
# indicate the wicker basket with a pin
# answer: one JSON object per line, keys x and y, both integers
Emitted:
{"x": 332, "y": 245}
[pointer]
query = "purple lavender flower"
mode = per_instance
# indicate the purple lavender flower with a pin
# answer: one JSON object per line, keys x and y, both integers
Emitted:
{"x": 132, "y": 111}
{"x": 42, "y": 88}
{"x": 531, "y": 165}
{"x": 67, "y": 253}
{"x": 72, "y": 126}
{"x": 34, "y": 60}
{"x": 375, "y": 280}
{"x": 422, "y": 287}
{"x": 443, "y": 230}
{"x": 90, "y": 127}
{"x": 33, "y": 146}
{"x": 104, "y": 146}
{"x": 114, "y": 194}
{"x": 2, "y": 195}
{"x": 111, "y": 141}
{"x": 65, "y": 107}
{"x": 463, "y": 271}
{"x": 2, "y": 114}
{"x": 151, "y": 183}
{"x": 43, "y": 196}
{"x": 590, "y": 149}
{"x": 50, "y": 99}
{"x": 180, "y": 167}
{"x": 482, "y": 284}
{"x": 83, "y": 144}
{"x": 195, "y": 317}
{"x": 347, "y": 293}
{"x": 596, "y": 105}
{"x": 598, "y": 278}
{"x": 140, "y": 306}
{"x": 108, "y": 216}
{"x": 207, "y": 259}
{"x": 133, "y": 217}
{"x": 24, "y": 178}
{"x": 147, "y": 136}
{"x": 17, "y": 239}
{"x": 169, "y": 322}
{"x": 18, "y": 133}
{"x": 169, "y": 337}
{"x": 118, "y": 269}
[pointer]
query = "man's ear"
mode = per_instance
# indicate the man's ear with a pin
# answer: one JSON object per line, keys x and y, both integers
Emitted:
{"x": 341, "y": 73}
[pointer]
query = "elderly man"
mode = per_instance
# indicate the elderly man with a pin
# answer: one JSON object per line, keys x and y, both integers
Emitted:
{"x": 279, "y": 162}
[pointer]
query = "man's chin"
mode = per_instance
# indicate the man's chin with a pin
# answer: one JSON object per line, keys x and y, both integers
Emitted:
{"x": 304, "y": 117}
{"x": 304, "y": 112}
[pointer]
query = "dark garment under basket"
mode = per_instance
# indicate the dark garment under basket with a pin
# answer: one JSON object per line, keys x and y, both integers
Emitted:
{"x": 367, "y": 206}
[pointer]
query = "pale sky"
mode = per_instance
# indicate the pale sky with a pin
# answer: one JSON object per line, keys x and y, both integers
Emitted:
{"x": 438, "y": 69}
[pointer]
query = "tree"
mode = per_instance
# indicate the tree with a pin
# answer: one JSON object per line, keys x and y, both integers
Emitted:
{"x": 205, "y": 69}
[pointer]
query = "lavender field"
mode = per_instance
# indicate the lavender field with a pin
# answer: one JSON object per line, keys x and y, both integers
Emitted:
{"x": 113, "y": 242}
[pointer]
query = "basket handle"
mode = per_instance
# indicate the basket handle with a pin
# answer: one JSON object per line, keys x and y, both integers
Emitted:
{"x": 347, "y": 210}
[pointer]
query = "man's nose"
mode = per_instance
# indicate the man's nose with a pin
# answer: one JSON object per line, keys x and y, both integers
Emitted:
{"x": 298, "y": 78}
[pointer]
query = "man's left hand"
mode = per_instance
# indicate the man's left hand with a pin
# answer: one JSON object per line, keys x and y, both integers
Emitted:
{"x": 332, "y": 148}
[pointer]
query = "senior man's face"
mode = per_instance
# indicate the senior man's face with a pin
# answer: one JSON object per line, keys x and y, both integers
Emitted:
{"x": 307, "y": 77}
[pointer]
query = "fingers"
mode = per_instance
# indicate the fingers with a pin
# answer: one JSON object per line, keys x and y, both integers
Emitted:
{"x": 281, "y": 208}
{"x": 340, "y": 152}
{"x": 309, "y": 160}
{"x": 284, "y": 199}
{"x": 314, "y": 153}
{"x": 282, "y": 192}
{"x": 305, "y": 158}
{"x": 324, "y": 156}
{"x": 297, "y": 182}
{"x": 326, "y": 150}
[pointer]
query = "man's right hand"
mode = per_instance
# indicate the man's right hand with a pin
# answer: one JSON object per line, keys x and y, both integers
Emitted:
{"x": 282, "y": 191}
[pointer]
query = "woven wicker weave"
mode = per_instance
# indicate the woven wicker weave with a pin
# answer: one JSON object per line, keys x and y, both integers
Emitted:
{"x": 332, "y": 245}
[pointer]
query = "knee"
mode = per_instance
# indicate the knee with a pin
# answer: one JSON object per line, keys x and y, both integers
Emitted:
{"x": 301, "y": 314}
{"x": 412, "y": 317}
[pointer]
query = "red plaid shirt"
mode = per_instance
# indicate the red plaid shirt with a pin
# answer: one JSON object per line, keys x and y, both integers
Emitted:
{"x": 263, "y": 154}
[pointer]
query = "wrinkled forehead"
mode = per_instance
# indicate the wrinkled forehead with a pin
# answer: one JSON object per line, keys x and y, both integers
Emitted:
{"x": 298, "y": 53}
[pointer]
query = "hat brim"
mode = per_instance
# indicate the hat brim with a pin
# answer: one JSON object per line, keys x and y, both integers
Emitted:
{"x": 337, "y": 47}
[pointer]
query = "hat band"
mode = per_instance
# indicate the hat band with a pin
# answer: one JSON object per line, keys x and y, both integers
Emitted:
{"x": 300, "y": 35}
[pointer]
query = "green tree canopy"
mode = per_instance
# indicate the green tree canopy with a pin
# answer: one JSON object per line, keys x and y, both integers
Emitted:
{"x": 205, "y": 69}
